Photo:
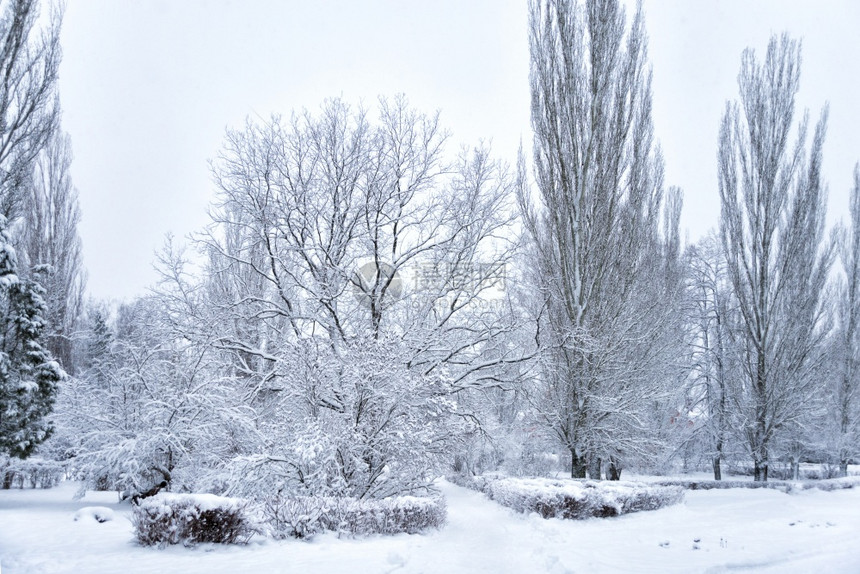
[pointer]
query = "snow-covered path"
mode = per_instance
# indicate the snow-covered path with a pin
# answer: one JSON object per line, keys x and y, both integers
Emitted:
{"x": 737, "y": 530}
{"x": 713, "y": 531}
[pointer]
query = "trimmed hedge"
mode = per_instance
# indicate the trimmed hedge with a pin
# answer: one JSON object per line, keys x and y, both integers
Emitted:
{"x": 191, "y": 518}
{"x": 722, "y": 484}
{"x": 302, "y": 517}
{"x": 782, "y": 486}
{"x": 32, "y": 473}
{"x": 476, "y": 482}
{"x": 834, "y": 484}
{"x": 410, "y": 514}
{"x": 577, "y": 500}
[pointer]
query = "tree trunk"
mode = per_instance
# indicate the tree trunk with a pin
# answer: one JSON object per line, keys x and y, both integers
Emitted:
{"x": 614, "y": 472}
{"x": 760, "y": 449}
{"x": 721, "y": 381}
{"x": 760, "y": 470}
{"x": 843, "y": 468}
{"x": 577, "y": 465}
{"x": 795, "y": 469}
{"x": 594, "y": 464}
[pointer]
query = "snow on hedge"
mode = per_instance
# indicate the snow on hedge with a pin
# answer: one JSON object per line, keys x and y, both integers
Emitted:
{"x": 33, "y": 472}
{"x": 833, "y": 483}
{"x": 477, "y": 482}
{"x": 580, "y": 499}
{"x": 789, "y": 487}
{"x": 393, "y": 515}
{"x": 191, "y": 518}
{"x": 723, "y": 484}
{"x": 301, "y": 517}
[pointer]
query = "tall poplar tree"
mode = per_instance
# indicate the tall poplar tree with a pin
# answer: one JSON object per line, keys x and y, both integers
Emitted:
{"x": 772, "y": 227}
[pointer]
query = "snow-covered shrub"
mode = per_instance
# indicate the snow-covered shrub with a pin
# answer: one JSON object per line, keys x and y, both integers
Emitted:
{"x": 410, "y": 514}
{"x": 296, "y": 517}
{"x": 782, "y": 486}
{"x": 581, "y": 499}
{"x": 147, "y": 406}
{"x": 191, "y": 518}
{"x": 829, "y": 485}
{"x": 301, "y": 517}
{"x": 528, "y": 454}
{"x": 466, "y": 481}
{"x": 31, "y": 473}
{"x": 723, "y": 484}
{"x": 786, "y": 471}
{"x": 824, "y": 472}
{"x": 476, "y": 455}
{"x": 478, "y": 482}
{"x": 358, "y": 424}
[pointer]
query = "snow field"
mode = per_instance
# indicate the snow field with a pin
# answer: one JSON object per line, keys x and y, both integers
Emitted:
{"x": 735, "y": 530}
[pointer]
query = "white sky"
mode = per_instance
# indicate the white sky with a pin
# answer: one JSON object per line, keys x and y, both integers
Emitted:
{"x": 149, "y": 87}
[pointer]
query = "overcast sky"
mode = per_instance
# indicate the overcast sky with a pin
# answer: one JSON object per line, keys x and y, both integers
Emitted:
{"x": 148, "y": 88}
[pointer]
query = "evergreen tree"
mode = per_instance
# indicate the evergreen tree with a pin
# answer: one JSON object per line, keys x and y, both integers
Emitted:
{"x": 28, "y": 374}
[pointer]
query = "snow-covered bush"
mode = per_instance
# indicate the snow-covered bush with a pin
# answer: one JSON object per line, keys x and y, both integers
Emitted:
{"x": 825, "y": 472}
{"x": 31, "y": 473}
{"x": 581, "y": 499}
{"x": 723, "y": 484}
{"x": 394, "y": 515}
{"x": 478, "y": 482}
{"x": 296, "y": 517}
{"x": 465, "y": 480}
{"x": 358, "y": 425}
{"x": 146, "y": 406}
{"x": 783, "y": 486}
{"x": 834, "y": 483}
{"x": 190, "y": 519}
{"x": 510, "y": 437}
{"x": 301, "y": 517}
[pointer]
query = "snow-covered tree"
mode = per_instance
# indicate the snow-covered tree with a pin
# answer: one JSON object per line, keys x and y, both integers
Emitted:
{"x": 712, "y": 315}
{"x": 844, "y": 411}
{"x": 351, "y": 289}
{"x": 145, "y": 409}
{"x": 29, "y": 108}
{"x": 772, "y": 225}
{"x": 49, "y": 236}
{"x": 28, "y": 374}
{"x": 602, "y": 267}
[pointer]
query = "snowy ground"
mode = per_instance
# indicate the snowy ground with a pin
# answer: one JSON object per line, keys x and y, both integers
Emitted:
{"x": 713, "y": 531}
